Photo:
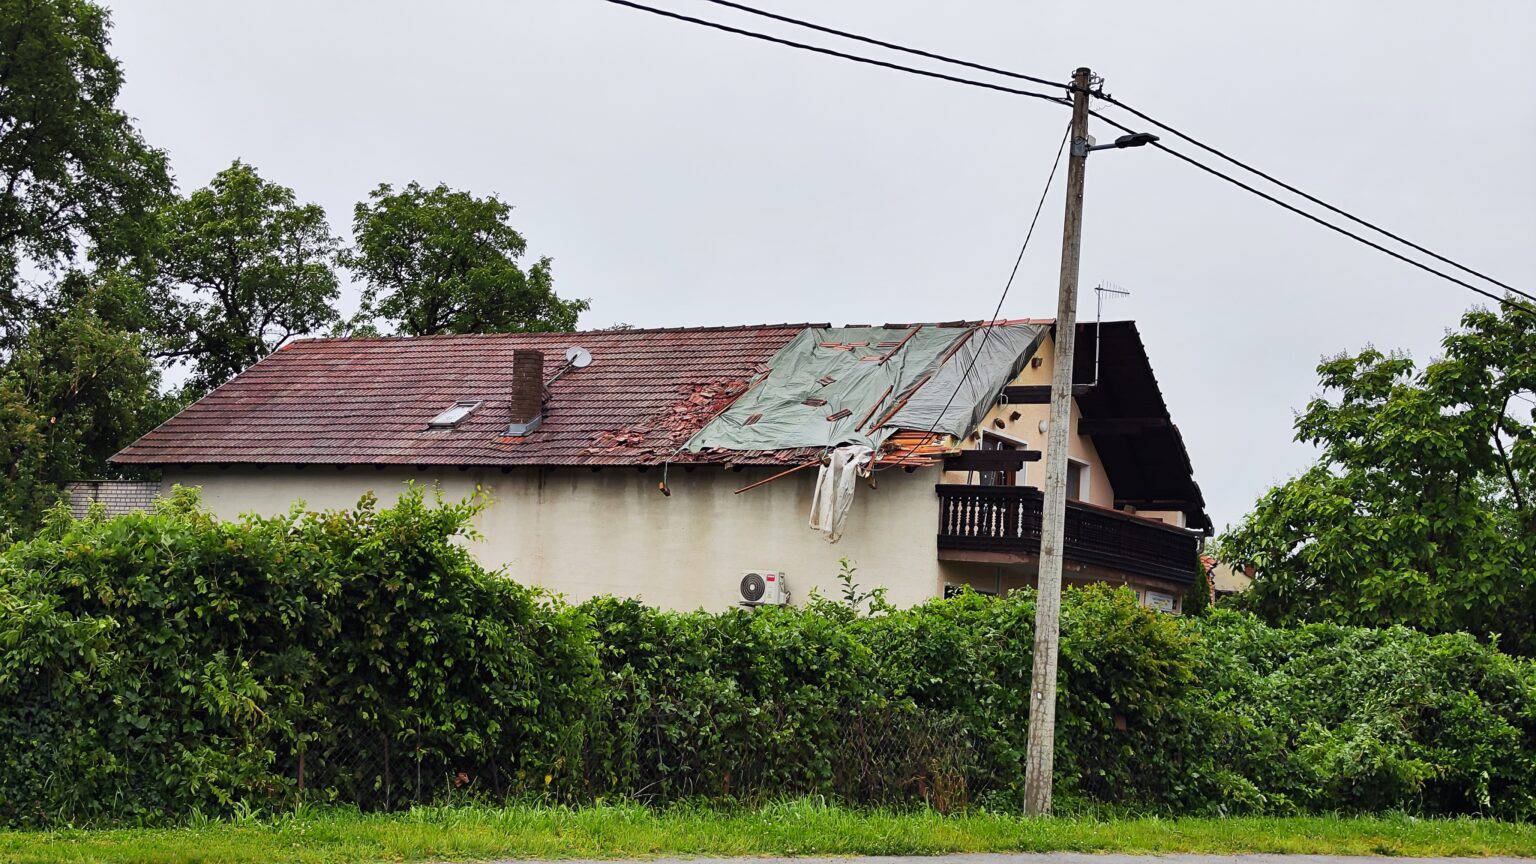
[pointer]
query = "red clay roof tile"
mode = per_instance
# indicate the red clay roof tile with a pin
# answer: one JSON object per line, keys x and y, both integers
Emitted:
{"x": 368, "y": 401}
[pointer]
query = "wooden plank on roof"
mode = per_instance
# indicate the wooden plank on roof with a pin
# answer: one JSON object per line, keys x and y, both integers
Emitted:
{"x": 1038, "y": 394}
{"x": 1121, "y": 425}
{"x": 1156, "y": 503}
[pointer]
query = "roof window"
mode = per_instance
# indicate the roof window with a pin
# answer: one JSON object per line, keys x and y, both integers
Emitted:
{"x": 451, "y": 417}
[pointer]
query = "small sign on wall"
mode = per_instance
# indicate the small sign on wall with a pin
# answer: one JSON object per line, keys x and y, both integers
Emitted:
{"x": 1160, "y": 601}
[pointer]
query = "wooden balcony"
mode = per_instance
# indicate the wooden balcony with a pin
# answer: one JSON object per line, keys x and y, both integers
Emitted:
{"x": 1006, "y": 519}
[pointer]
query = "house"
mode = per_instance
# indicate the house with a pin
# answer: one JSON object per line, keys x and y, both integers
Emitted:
{"x": 665, "y": 464}
{"x": 1227, "y": 580}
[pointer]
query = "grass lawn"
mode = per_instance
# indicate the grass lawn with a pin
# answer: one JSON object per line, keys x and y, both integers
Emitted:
{"x": 796, "y": 828}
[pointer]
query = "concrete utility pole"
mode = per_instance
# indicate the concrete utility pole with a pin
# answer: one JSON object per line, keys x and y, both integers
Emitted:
{"x": 1040, "y": 756}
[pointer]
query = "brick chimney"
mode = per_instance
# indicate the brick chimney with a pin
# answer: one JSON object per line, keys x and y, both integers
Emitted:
{"x": 526, "y": 402}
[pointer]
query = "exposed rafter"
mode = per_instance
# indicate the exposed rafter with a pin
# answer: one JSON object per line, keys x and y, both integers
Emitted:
{"x": 1037, "y": 394}
{"x": 1121, "y": 425}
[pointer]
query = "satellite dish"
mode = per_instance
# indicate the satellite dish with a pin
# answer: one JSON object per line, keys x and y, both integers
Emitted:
{"x": 577, "y": 357}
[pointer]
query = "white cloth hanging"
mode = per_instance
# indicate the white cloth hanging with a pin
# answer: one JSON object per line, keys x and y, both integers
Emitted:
{"x": 835, "y": 483}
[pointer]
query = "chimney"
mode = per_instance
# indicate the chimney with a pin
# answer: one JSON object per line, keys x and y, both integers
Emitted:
{"x": 526, "y": 402}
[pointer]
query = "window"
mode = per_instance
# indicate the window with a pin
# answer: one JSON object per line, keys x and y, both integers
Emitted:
{"x": 1160, "y": 601}
{"x": 951, "y": 590}
{"x": 1076, "y": 472}
{"x": 450, "y": 418}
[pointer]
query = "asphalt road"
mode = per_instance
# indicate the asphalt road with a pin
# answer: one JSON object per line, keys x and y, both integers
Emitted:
{"x": 1064, "y": 858}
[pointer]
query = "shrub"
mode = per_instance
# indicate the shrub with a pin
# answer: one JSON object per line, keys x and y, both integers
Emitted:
{"x": 1327, "y": 717}
{"x": 929, "y": 703}
{"x": 162, "y": 664}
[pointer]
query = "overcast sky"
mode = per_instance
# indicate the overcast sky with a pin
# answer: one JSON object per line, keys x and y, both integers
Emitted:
{"x": 680, "y": 176}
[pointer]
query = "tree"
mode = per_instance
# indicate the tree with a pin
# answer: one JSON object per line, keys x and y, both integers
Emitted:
{"x": 440, "y": 261}
{"x": 1198, "y": 600}
{"x": 76, "y": 389}
{"x": 1420, "y": 509}
{"x": 255, "y": 267}
{"x": 72, "y": 167}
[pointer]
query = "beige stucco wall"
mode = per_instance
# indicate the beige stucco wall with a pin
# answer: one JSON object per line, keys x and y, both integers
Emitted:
{"x": 1171, "y": 517}
{"x": 582, "y": 534}
{"x": 1228, "y": 579}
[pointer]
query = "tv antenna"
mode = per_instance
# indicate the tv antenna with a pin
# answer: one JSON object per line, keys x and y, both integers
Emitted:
{"x": 1099, "y": 291}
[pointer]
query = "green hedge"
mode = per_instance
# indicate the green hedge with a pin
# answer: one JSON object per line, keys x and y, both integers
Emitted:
{"x": 161, "y": 664}
{"x": 155, "y": 664}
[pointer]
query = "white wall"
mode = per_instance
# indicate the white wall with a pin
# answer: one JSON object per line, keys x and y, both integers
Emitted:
{"x": 582, "y": 534}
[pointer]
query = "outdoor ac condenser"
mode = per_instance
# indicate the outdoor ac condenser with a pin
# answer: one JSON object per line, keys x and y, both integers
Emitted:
{"x": 763, "y": 588}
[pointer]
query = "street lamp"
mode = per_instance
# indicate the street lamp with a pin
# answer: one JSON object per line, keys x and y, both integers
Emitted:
{"x": 1039, "y": 754}
{"x": 1137, "y": 139}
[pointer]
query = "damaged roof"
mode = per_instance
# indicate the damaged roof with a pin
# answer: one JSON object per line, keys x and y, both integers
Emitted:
{"x": 860, "y": 385}
{"x": 372, "y": 400}
{"x": 644, "y": 396}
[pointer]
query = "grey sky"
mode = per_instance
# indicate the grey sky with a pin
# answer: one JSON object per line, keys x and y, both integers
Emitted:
{"x": 680, "y": 176}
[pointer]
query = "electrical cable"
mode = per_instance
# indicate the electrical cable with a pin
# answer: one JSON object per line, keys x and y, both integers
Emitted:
{"x": 1325, "y": 223}
{"x": 1145, "y": 117}
{"x": 1012, "y": 274}
{"x": 811, "y": 25}
{"x": 832, "y": 53}
{"x": 1172, "y": 130}
{"x": 1314, "y": 199}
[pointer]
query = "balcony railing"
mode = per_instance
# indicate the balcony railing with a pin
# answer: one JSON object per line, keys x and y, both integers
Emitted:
{"x": 1007, "y": 519}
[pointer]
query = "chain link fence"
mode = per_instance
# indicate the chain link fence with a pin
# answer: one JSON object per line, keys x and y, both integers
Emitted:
{"x": 877, "y": 756}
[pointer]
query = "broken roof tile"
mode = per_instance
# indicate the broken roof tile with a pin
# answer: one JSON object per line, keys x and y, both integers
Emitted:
{"x": 369, "y": 400}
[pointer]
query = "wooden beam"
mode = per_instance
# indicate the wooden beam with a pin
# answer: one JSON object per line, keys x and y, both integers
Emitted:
{"x": 892, "y": 353}
{"x": 766, "y": 480}
{"x": 901, "y": 403}
{"x": 1037, "y": 395}
{"x": 875, "y": 407}
{"x": 1157, "y": 503}
{"x": 990, "y": 460}
{"x": 1121, "y": 425}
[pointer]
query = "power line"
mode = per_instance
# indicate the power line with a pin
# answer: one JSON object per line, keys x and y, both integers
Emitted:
{"x": 1059, "y": 100}
{"x": 1012, "y": 274}
{"x": 1325, "y": 223}
{"x": 1314, "y": 199}
{"x": 1143, "y": 116}
{"x": 811, "y": 25}
{"x": 839, "y": 54}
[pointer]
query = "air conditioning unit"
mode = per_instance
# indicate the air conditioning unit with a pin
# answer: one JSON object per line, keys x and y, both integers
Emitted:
{"x": 763, "y": 588}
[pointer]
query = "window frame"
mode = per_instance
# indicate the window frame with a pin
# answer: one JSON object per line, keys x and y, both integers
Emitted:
{"x": 464, "y": 407}
{"x": 1084, "y": 472}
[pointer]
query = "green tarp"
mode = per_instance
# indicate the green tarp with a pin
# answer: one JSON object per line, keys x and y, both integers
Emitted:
{"x": 960, "y": 393}
{"x": 837, "y": 373}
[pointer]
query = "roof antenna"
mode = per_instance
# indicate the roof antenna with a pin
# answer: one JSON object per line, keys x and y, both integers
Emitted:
{"x": 1098, "y": 324}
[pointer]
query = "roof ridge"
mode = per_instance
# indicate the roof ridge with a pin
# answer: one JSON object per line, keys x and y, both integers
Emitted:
{"x": 445, "y": 336}
{"x": 722, "y": 328}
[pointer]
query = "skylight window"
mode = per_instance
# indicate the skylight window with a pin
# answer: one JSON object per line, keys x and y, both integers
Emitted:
{"x": 450, "y": 418}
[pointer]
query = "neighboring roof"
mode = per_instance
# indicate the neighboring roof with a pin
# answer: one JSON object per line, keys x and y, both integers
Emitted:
{"x": 369, "y": 400}
{"x": 1150, "y": 470}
